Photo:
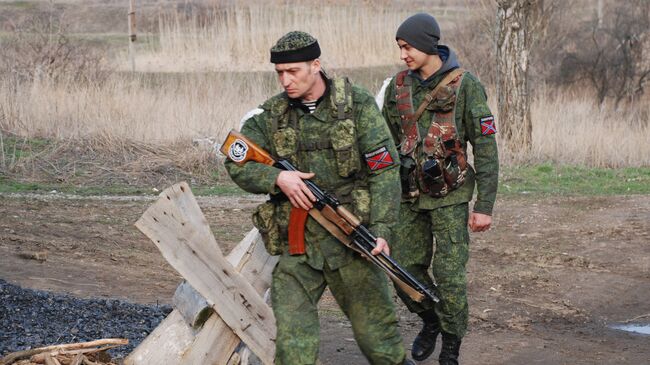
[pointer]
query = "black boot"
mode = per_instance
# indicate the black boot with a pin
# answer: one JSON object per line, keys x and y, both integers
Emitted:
{"x": 450, "y": 349}
{"x": 425, "y": 341}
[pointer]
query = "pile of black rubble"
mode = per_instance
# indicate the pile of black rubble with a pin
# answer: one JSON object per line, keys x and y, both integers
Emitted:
{"x": 34, "y": 318}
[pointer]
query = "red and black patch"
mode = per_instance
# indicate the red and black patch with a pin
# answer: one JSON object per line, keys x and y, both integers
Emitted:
{"x": 487, "y": 126}
{"x": 379, "y": 159}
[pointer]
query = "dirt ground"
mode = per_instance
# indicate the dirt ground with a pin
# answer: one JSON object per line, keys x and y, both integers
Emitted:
{"x": 544, "y": 283}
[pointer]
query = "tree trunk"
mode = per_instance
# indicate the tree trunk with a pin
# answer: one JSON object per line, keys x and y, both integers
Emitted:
{"x": 515, "y": 21}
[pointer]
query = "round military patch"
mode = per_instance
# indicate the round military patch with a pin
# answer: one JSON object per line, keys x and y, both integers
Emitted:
{"x": 237, "y": 151}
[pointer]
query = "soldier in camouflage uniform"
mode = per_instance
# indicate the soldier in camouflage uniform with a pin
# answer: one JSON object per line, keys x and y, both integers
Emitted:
{"x": 334, "y": 131}
{"x": 437, "y": 181}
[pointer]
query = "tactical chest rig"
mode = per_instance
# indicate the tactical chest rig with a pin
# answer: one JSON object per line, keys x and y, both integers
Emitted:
{"x": 341, "y": 137}
{"x": 437, "y": 165}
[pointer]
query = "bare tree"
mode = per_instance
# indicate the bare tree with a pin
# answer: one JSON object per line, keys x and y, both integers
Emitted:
{"x": 612, "y": 53}
{"x": 41, "y": 48}
{"x": 518, "y": 21}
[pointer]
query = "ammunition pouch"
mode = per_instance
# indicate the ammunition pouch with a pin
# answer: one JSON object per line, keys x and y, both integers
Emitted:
{"x": 440, "y": 175}
{"x": 286, "y": 142}
{"x": 408, "y": 177}
{"x": 271, "y": 219}
{"x": 343, "y": 138}
{"x": 455, "y": 168}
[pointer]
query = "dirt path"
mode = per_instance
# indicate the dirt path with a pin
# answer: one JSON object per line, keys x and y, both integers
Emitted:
{"x": 545, "y": 282}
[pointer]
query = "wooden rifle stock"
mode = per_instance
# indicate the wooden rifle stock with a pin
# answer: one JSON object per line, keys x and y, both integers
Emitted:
{"x": 239, "y": 149}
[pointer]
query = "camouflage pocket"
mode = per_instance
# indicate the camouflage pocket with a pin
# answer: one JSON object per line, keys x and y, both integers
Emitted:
{"x": 361, "y": 204}
{"x": 343, "y": 139}
{"x": 265, "y": 220}
{"x": 286, "y": 142}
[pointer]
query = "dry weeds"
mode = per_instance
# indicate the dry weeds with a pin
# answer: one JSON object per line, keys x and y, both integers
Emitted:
{"x": 145, "y": 122}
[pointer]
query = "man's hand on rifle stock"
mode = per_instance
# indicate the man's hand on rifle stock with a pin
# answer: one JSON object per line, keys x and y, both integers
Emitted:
{"x": 291, "y": 184}
{"x": 382, "y": 245}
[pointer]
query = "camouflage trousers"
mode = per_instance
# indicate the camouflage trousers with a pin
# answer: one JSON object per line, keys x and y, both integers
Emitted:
{"x": 412, "y": 248}
{"x": 362, "y": 292}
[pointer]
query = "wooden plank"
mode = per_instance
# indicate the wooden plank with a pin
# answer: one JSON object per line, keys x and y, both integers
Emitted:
{"x": 180, "y": 231}
{"x": 255, "y": 264}
{"x": 166, "y": 344}
{"x": 215, "y": 342}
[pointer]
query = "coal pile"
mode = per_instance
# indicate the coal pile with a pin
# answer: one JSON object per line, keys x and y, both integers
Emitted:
{"x": 34, "y": 318}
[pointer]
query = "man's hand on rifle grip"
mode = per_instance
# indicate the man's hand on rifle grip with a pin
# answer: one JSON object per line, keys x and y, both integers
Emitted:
{"x": 291, "y": 184}
{"x": 382, "y": 245}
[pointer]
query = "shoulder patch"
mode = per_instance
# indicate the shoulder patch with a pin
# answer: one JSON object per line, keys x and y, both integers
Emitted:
{"x": 487, "y": 125}
{"x": 379, "y": 159}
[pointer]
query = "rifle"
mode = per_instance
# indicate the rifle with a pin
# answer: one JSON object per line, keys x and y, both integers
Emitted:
{"x": 329, "y": 212}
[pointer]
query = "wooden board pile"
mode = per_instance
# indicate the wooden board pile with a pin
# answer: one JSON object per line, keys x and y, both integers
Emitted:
{"x": 82, "y": 353}
{"x": 223, "y": 304}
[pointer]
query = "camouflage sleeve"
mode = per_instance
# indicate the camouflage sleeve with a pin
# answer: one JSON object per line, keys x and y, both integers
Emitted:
{"x": 379, "y": 152}
{"x": 481, "y": 129}
{"x": 254, "y": 177}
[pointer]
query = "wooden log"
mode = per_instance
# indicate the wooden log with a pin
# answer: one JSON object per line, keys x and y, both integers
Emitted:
{"x": 10, "y": 358}
{"x": 49, "y": 360}
{"x": 77, "y": 359}
{"x": 180, "y": 231}
{"x": 87, "y": 361}
{"x": 165, "y": 344}
{"x": 216, "y": 342}
{"x": 39, "y": 358}
{"x": 192, "y": 306}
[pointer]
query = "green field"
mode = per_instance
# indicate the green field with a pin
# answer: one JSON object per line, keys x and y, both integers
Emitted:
{"x": 539, "y": 180}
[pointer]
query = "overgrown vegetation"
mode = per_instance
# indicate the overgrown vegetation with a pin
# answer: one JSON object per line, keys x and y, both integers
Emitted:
{"x": 41, "y": 48}
{"x": 69, "y": 121}
{"x": 613, "y": 53}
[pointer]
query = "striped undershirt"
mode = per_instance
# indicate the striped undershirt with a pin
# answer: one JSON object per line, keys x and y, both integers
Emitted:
{"x": 311, "y": 105}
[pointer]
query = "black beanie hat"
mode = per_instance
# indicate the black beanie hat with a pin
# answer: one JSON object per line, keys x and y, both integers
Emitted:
{"x": 295, "y": 46}
{"x": 420, "y": 31}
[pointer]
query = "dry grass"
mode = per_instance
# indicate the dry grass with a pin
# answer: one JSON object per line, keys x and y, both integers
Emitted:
{"x": 169, "y": 109}
{"x": 571, "y": 129}
{"x": 238, "y": 38}
{"x": 151, "y": 108}
{"x": 585, "y": 135}
{"x": 161, "y": 109}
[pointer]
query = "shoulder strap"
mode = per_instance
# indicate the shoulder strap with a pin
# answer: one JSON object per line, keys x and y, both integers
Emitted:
{"x": 409, "y": 123}
{"x": 428, "y": 98}
{"x": 341, "y": 98}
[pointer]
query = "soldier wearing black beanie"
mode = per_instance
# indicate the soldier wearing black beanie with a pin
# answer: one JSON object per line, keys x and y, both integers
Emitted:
{"x": 431, "y": 96}
{"x": 420, "y": 31}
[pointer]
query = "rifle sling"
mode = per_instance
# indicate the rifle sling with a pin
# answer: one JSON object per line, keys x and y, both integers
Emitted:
{"x": 343, "y": 238}
{"x": 428, "y": 98}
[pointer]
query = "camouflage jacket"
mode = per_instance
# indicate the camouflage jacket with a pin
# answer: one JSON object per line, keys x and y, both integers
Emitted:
{"x": 471, "y": 109}
{"x": 341, "y": 153}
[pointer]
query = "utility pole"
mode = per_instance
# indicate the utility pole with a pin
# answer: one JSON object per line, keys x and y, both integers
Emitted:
{"x": 132, "y": 35}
